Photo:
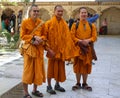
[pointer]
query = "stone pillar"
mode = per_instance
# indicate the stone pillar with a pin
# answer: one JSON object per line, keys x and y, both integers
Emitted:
{"x": 0, "y": 18}
{"x": 70, "y": 11}
{"x": 51, "y": 13}
{"x": 16, "y": 24}
{"x": 98, "y": 20}
{"x": 98, "y": 25}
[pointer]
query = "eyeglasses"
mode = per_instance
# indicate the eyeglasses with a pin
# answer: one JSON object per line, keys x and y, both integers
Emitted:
{"x": 35, "y": 10}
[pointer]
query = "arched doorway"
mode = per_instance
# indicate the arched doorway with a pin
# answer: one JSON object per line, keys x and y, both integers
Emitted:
{"x": 65, "y": 16}
{"x": 44, "y": 14}
{"x": 113, "y": 19}
{"x": 75, "y": 13}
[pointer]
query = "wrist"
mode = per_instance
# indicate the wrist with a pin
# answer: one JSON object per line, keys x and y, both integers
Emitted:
{"x": 79, "y": 40}
{"x": 89, "y": 41}
{"x": 33, "y": 39}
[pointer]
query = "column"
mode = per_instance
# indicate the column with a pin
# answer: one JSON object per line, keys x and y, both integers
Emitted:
{"x": 98, "y": 20}
{"x": 0, "y": 17}
{"x": 0, "y": 21}
{"x": 15, "y": 13}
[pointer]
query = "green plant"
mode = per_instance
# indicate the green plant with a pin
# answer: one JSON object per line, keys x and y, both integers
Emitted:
{"x": 16, "y": 37}
{"x": 7, "y": 35}
{"x": 11, "y": 40}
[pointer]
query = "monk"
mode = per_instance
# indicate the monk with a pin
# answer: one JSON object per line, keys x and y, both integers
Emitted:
{"x": 33, "y": 71}
{"x": 60, "y": 42}
{"x": 83, "y": 36}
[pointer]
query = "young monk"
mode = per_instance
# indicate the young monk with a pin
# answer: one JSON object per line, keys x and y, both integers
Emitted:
{"x": 33, "y": 71}
{"x": 59, "y": 40}
{"x": 83, "y": 36}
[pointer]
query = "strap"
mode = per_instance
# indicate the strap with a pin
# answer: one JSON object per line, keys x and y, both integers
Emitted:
{"x": 37, "y": 27}
{"x": 90, "y": 24}
{"x": 18, "y": 42}
{"x": 77, "y": 23}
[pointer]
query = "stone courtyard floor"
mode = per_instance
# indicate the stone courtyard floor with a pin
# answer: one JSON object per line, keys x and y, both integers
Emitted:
{"x": 104, "y": 79}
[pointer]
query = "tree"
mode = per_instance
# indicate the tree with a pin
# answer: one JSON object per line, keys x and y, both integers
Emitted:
{"x": 33, "y": 1}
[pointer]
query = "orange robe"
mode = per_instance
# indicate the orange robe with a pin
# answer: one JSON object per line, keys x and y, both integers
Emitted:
{"x": 83, "y": 63}
{"x": 33, "y": 71}
{"x": 60, "y": 41}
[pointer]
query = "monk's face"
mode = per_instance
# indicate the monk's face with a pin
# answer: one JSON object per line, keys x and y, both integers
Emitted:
{"x": 58, "y": 12}
{"x": 83, "y": 14}
{"x": 34, "y": 13}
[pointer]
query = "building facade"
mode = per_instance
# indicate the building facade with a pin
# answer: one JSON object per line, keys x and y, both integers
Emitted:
{"x": 108, "y": 10}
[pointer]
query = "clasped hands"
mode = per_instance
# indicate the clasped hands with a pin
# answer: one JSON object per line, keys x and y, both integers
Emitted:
{"x": 36, "y": 40}
{"x": 83, "y": 44}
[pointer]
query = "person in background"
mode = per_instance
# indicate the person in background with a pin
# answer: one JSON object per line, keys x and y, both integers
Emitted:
{"x": 104, "y": 26}
{"x": 92, "y": 18}
{"x": 71, "y": 21}
{"x": 5, "y": 24}
{"x": 12, "y": 23}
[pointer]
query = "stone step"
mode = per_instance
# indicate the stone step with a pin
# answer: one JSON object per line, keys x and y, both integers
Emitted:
{"x": 6, "y": 57}
{"x": 10, "y": 88}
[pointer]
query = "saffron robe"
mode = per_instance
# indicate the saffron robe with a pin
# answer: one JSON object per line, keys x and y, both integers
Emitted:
{"x": 60, "y": 41}
{"x": 83, "y": 63}
{"x": 33, "y": 71}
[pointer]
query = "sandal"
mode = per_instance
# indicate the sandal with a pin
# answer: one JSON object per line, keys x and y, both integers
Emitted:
{"x": 59, "y": 88}
{"x": 76, "y": 87}
{"x": 86, "y": 87}
{"x": 37, "y": 93}
{"x": 27, "y": 96}
{"x": 50, "y": 90}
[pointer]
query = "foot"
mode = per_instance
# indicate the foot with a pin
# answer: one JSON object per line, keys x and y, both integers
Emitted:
{"x": 86, "y": 87}
{"x": 76, "y": 86}
{"x": 27, "y": 96}
{"x": 59, "y": 88}
{"x": 50, "y": 90}
{"x": 37, "y": 93}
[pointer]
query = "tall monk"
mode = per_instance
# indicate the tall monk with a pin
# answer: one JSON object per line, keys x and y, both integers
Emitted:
{"x": 60, "y": 41}
{"x": 83, "y": 36}
{"x": 32, "y": 34}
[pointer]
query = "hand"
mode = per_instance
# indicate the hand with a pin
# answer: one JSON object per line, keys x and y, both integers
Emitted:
{"x": 79, "y": 42}
{"x": 50, "y": 53}
{"x": 85, "y": 42}
{"x": 38, "y": 39}
{"x": 35, "y": 42}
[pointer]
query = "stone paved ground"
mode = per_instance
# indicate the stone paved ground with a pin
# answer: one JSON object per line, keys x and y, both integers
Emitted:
{"x": 105, "y": 77}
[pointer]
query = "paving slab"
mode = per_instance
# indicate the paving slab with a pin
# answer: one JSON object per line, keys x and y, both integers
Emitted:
{"x": 104, "y": 79}
{"x": 7, "y": 85}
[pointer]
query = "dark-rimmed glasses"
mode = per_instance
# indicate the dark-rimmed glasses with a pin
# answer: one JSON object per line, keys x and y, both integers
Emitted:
{"x": 35, "y": 10}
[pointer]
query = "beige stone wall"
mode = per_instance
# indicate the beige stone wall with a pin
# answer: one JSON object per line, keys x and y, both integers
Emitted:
{"x": 109, "y": 10}
{"x": 113, "y": 18}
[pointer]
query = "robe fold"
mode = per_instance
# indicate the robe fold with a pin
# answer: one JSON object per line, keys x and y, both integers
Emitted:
{"x": 60, "y": 41}
{"x": 33, "y": 71}
{"x": 83, "y": 63}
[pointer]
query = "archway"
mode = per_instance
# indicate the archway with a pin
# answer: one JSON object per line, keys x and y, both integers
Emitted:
{"x": 112, "y": 15}
{"x": 44, "y": 14}
{"x": 75, "y": 13}
{"x": 7, "y": 12}
{"x": 65, "y": 15}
